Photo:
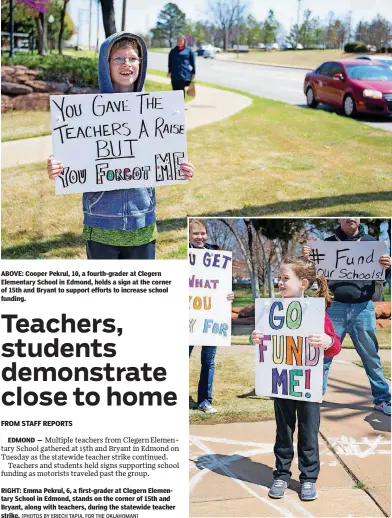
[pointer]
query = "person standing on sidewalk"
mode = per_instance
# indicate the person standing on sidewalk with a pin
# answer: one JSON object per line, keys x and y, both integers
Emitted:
{"x": 352, "y": 312}
{"x": 198, "y": 239}
{"x": 120, "y": 224}
{"x": 181, "y": 67}
{"x": 296, "y": 276}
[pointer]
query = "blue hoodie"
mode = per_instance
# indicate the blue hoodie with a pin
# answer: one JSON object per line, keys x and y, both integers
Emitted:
{"x": 124, "y": 209}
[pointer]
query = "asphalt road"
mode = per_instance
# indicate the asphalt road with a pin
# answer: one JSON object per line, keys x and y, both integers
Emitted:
{"x": 280, "y": 84}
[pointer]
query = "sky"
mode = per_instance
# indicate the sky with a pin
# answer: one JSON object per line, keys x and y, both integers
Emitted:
{"x": 142, "y": 14}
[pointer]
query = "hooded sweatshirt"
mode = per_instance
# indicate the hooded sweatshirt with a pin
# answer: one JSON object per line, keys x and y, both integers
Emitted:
{"x": 123, "y": 209}
{"x": 352, "y": 292}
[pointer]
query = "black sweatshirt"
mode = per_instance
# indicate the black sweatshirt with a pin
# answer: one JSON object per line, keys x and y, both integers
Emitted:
{"x": 352, "y": 292}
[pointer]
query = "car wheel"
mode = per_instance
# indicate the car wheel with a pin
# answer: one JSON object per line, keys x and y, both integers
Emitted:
{"x": 310, "y": 100}
{"x": 349, "y": 108}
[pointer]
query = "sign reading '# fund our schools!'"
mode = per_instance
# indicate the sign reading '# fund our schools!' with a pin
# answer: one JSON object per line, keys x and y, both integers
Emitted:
{"x": 210, "y": 281}
{"x": 286, "y": 365}
{"x": 118, "y": 141}
{"x": 348, "y": 260}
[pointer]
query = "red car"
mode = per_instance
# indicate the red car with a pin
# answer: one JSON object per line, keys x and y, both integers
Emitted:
{"x": 354, "y": 86}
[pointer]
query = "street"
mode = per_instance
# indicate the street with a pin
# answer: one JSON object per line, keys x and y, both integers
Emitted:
{"x": 278, "y": 83}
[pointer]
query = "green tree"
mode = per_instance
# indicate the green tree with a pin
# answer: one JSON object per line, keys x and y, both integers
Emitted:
{"x": 171, "y": 22}
{"x": 196, "y": 31}
{"x": 269, "y": 29}
{"x": 251, "y": 31}
{"x": 23, "y": 17}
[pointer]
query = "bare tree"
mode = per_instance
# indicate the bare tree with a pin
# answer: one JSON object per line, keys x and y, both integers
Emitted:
{"x": 221, "y": 235}
{"x": 227, "y": 14}
{"x": 245, "y": 241}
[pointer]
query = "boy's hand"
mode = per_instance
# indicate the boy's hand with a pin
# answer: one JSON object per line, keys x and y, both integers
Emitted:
{"x": 306, "y": 251}
{"x": 257, "y": 337}
{"x": 54, "y": 167}
{"x": 322, "y": 341}
{"x": 385, "y": 261}
{"x": 230, "y": 296}
{"x": 187, "y": 169}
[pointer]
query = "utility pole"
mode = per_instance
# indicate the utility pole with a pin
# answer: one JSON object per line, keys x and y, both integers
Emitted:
{"x": 96, "y": 48}
{"x": 124, "y": 14}
{"x": 89, "y": 25}
{"x": 238, "y": 28}
{"x": 298, "y": 18}
{"x": 12, "y": 49}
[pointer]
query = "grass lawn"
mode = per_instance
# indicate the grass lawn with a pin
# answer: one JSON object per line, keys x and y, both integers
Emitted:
{"x": 383, "y": 337}
{"x": 386, "y": 367}
{"x": 233, "y": 388}
{"x": 242, "y": 299}
{"x": 20, "y": 124}
{"x": 165, "y": 51}
{"x": 297, "y": 58}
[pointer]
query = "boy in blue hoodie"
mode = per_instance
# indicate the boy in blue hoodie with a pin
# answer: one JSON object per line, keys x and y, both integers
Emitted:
{"x": 120, "y": 224}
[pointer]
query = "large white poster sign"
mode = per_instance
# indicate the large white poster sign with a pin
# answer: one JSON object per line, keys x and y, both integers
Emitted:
{"x": 210, "y": 281}
{"x": 348, "y": 260}
{"x": 118, "y": 141}
{"x": 286, "y": 366}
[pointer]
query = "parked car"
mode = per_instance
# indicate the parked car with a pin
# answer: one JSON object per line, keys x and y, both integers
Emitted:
{"x": 354, "y": 86}
{"x": 206, "y": 51}
{"x": 385, "y": 60}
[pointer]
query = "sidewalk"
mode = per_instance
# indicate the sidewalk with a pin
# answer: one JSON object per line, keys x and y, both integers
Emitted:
{"x": 209, "y": 105}
{"x": 231, "y": 464}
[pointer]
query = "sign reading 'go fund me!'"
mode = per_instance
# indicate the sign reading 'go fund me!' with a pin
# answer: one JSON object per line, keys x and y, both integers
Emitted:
{"x": 348, "y": 260}
{"x": 286, "y": 365}
{"x": 118, "y": 141}
{"x": 210, "y": 281}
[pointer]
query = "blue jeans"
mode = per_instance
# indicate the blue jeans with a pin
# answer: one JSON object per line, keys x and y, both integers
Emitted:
{"x": 204, "y": 392}
{"x": 97, "y": 250}
{"x": 359, "y": 321}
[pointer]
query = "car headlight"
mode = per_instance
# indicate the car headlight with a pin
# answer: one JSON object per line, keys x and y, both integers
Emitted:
{"x": 373, "y": 94}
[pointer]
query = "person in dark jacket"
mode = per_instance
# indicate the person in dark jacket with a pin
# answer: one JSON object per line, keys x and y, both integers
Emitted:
{"x": 352, "y": 312}
{"x": 120, "y": 224}
{"x": 198, "y": 239}
{"x": 182, "y": 68}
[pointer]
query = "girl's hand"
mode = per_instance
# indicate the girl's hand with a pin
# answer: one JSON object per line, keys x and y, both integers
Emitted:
{"x": 306, "y": 251}
{"x": 322, "y": 341}
{"x": 187, "y": 169}
{"x": 257, "y": 337}
{"x": 385, "y": 261}
{"x": 54, "y": 167}
{"x": 230, "y": 296}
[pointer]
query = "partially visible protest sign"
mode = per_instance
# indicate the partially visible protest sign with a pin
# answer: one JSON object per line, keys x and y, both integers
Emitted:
{"x": 286, "y": 366}
{"x": 118, "y": 141}
{"x": 210, "y": 281}
{"x": 348, "y": 260}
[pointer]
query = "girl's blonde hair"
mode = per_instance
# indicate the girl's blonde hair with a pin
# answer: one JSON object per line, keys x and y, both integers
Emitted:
{"x": 200, "y": 222}
{"x": 304, "y": 268}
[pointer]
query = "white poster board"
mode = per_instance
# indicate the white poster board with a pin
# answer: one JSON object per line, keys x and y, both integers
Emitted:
{"x": 286, "y": 366}
{"x": 348, "y": 260}
{"x": 118, "y": 141}
{"x": 210, "y": 281}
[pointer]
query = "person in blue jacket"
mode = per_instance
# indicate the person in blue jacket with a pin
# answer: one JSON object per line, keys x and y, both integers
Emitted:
{"x": 120, "y": 224}
{"x": 182, "y": 68}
